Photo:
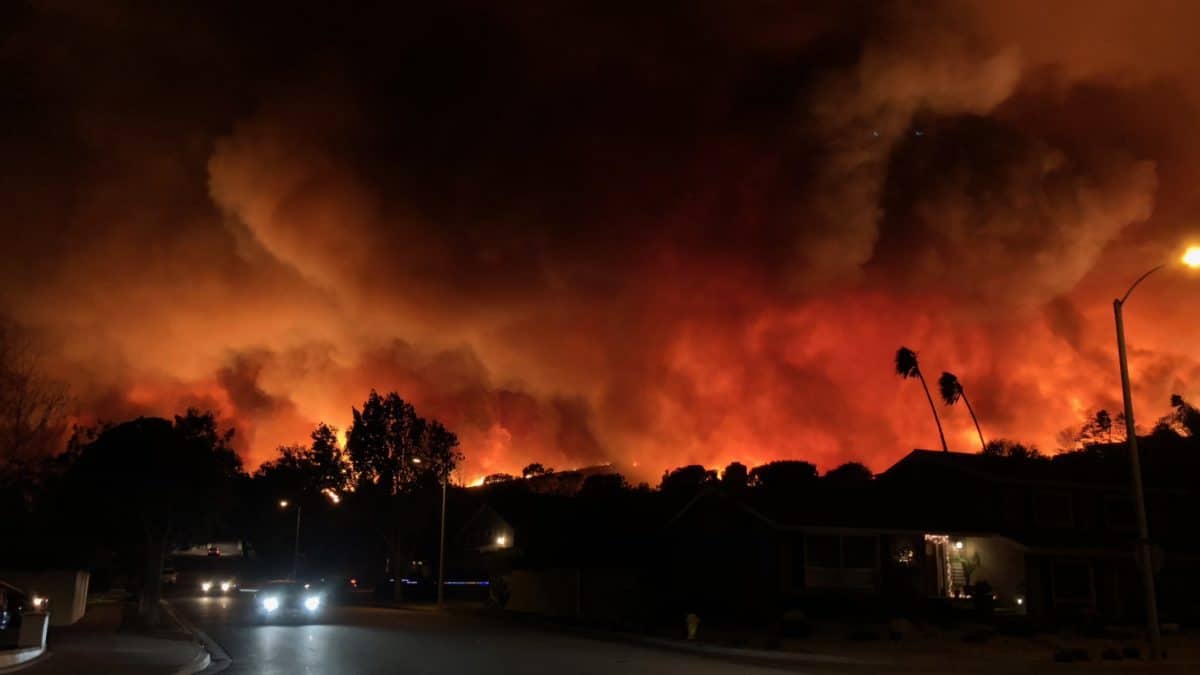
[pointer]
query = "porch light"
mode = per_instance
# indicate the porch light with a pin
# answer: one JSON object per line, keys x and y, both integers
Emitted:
{"x": 958, "y": 545}
{"x": 501, "y": 540}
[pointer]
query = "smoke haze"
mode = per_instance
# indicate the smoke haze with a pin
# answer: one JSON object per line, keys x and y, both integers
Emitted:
{"x": 604, "y": 232}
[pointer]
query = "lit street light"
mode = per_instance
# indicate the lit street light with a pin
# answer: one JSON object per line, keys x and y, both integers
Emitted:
{"x": 283, "y": 504}
{"x": 441, "y": 582}
{"x": 1191, "y": 258}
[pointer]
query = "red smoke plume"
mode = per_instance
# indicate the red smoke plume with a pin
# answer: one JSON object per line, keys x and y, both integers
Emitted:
{"x": 586, "y": 235}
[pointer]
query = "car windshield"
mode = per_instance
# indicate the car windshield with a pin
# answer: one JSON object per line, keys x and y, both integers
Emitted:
{"x": 283, "y": 586}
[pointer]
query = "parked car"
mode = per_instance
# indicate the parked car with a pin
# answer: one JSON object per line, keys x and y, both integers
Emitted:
{"x": 13, "y": 603}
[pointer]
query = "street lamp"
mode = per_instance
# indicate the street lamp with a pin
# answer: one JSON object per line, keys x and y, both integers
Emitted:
{"x": 283, "y": 504}
{"x": 441, "y": 582}
{"x": 334, "y": 499}
{"x": 1191, "y": 258}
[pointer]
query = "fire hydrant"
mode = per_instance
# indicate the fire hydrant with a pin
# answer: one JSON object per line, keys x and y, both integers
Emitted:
{"x": 693, "y": 624}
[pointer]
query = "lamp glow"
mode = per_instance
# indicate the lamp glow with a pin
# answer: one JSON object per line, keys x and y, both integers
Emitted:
{"x": 958, "y": 545}
{"x": 1191, "y": 257}
{"x": 501, "y": 540}
{"x": 283, "y": 503}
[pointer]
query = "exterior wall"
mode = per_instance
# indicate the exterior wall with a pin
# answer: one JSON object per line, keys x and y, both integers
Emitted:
{"x": 551, "y": 592}
{"x": 1002, "y": 565}
{"x": 66, "y": 589}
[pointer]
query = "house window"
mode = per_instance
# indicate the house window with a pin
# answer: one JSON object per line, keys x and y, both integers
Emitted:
{"x": 1053, "y": 509}
{"x": 858, "y": 552}
{"x": 821, "y": 550}
{"x": 1072, "y": 583}
{"x": 840, "y": 561}
{"x": 1118, "y": 513}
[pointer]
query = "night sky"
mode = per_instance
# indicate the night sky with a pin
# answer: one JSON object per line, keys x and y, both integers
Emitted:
{"x": 646, "y": 233}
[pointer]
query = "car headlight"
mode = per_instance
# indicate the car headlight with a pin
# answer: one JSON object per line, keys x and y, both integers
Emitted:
{"x": 270, "y": 603}
{"x": 312, "y": 602}
{"x": 225, "y": 586}
{"x": 206, "y": 586}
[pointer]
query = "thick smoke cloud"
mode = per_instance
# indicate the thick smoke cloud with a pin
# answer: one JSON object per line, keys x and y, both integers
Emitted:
{"x": 594, "y": 233}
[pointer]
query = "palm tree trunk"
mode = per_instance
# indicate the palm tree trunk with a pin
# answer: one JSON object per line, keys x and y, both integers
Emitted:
{"x": 982, "y": 444}
{"x": 932, "y": 407}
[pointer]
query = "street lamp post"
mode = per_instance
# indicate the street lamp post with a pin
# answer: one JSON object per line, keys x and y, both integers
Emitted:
{"x": 442, "y": 545}
{"x": 333, "y": 498}
{"x": 1192, "y": 259}
{"x": 296, "y": 540}
{"x": 441, "y": 582}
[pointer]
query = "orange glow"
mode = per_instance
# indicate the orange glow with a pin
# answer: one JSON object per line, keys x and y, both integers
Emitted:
{"x": 674, "y": 269}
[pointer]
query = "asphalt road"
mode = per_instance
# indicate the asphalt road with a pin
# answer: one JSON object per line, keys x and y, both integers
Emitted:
{"x": 376, "y": 640}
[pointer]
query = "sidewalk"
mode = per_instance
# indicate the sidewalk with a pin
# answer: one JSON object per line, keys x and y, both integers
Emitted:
{"x": 924, "y": 649}
{"x": 96, "y": 645}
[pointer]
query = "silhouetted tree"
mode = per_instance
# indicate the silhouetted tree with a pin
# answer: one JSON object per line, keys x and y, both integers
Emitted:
{"x": 735, "y": 476}
{"x": 1003, "y": 447}
{"x": 908, "y": 367}
{"x": 382, "y": 441}
{"x": 329, "y": 463}
{"x": 850, "y": 472}
{"x": 1101, "y": 428}
{"x": 493, "y": 478}
{"x": 686, "y": 480}
{"x": 399, "y": 459}
{"x": 32, "y": 406}
{"x": 148, "y": 483}
{"x": 788, "y": 474}
{"x": 603, "y": 486}
{"x": 952, "y": 390}
{"x": 535, "y": 469}
{"x": 1183, "y": 419}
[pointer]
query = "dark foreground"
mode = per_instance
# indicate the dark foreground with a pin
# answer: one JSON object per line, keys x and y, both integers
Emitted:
{"x": 378, "y": 640}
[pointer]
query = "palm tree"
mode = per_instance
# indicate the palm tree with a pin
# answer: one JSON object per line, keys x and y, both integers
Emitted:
{"x": 952, "y": 390}
{"x": 906, "y": 367}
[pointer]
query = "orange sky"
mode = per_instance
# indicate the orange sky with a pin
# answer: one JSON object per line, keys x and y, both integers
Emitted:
{"x": 598, "y": 236}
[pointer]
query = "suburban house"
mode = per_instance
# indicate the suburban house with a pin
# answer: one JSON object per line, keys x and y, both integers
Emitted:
{"x": 1051, "y": 538}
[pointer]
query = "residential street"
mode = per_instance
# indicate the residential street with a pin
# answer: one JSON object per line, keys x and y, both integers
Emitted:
{"x": 375, "y": 640}
{"x": 379, "y": 640}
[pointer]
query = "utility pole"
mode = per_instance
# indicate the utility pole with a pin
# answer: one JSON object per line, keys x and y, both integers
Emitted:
{"x": 296, "y": 547}
{"x": 442, "y": 545}
{"x": 1139, "y": 498}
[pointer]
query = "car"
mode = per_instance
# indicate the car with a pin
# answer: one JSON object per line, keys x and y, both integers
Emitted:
{"x": 13, "y": 603}
{"x": 288, "y": 599}
{"x": 218, "y": 585}
{"x": 170, "y": 576}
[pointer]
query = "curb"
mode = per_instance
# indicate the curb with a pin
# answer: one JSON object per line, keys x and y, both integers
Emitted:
{"x": 197, "y": 664}
{"x": 27, "y": 661}
{"x": 214, "y": 658}
{"x": 738, "y": 654}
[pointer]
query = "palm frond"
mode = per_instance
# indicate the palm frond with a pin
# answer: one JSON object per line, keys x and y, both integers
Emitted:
{"x": 950, "y": 388}
{"x": 906, "y": 363}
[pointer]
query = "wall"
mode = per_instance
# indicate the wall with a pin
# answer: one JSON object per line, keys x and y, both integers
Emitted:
{"x": 552, "y": 592}
{"x": 66, "y": 589}
{"x": 1001, "y": 564}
